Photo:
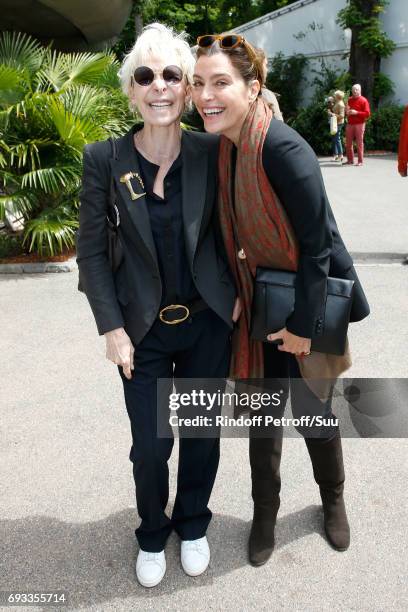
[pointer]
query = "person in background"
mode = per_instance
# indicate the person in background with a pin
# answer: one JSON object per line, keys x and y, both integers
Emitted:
{"x": 403, "y": 145}
{"x": 339, "y": 111}
{"x": 268, "y": 95}
{"x": 330, "y": 104}
{"x": 357, "y": 111}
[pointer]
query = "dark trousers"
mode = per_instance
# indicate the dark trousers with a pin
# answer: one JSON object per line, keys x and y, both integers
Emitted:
{"x": 281, "y": 372}
{"x": 196, "y": 348}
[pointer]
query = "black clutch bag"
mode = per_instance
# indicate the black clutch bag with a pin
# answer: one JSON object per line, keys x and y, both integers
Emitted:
{"x": 114, "y": 245}
{"x": 274, "y": 300}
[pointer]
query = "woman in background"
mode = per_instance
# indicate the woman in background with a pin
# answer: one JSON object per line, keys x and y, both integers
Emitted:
{"x": 338, "y": 111}
{"x": 268, "y": 95}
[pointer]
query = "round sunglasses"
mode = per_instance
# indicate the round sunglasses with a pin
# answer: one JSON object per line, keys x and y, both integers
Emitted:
{"x": 144, "y": 76}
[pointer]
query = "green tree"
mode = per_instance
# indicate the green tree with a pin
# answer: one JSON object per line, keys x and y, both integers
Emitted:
{"x": 208, "y": 17}
{"x": 267, "y": 6}
{"x": 369, "y": 43}
{"x": 234, "y": 13}
{"x": 51, "y": 105}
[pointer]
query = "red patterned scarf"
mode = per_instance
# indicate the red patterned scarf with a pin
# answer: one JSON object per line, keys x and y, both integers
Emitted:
{"x": 254, "y": 220}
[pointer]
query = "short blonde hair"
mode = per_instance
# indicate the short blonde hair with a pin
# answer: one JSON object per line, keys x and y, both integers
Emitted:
{"x": 339, "y": 93}
{"x": 156, "y": 39}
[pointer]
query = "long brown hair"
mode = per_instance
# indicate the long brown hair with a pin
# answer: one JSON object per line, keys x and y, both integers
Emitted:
{"x": 250, "y": 68}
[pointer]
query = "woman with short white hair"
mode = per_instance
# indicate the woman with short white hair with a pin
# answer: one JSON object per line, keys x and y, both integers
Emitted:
{"x": 167, "y": 310}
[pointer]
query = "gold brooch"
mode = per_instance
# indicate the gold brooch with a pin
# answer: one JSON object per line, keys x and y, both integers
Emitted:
{"x": 126, "y": 178}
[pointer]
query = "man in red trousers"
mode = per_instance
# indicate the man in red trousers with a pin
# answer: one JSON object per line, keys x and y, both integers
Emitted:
{"x": 357, "y": 111}
{"x": 403, "y": 145}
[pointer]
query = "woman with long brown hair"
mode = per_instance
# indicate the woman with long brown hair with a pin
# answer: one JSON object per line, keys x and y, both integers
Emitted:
{"x": 274, "y": 213}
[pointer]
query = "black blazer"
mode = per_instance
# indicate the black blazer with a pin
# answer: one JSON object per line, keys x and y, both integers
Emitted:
{"x": 131, "y": 298}
{"x": 294, "y": 173}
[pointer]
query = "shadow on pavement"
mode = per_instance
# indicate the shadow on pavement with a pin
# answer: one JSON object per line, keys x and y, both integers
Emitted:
{"x": 94, "y": 562}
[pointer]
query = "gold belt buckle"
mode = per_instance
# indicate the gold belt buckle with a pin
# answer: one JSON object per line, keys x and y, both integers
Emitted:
{"x": 174, "y": 307}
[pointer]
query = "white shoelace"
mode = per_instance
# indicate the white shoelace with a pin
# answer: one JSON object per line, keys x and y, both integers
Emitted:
{"x": 151, "y": 557}
{"x": 195, "y": 545}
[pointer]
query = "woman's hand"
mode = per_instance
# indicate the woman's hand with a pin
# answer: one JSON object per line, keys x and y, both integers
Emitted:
{"x": 291, "y": 343}
{"x": 236, "y": 313}
{"x": 120, "y": 350}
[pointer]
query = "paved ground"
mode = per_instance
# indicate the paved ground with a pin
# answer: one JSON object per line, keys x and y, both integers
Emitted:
{"x": 370, "y": 204}
{"x": 68, "y": 508}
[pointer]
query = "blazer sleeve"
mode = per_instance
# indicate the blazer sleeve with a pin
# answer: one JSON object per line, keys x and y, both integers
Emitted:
{"x": 294, "y": 173}
{"x": 92, "y": 258}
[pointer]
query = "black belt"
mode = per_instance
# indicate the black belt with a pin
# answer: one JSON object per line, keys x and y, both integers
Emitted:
{"x": 177, "y": 313}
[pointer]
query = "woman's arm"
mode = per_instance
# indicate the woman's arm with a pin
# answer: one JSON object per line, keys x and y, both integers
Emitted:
{"x": 94, "y": 268}
{"x": 294, "y": 173}
{"x": 340, "y": 110}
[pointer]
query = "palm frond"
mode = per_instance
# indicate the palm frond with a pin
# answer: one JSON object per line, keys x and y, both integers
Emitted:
{"x": 27, "y": 151}
{"x": 4, "y": 151}
{"x": 20, "y": 51}
{"x": 51, "y": 104}
{"x": 53, "y": 73}
{"x": 10, "y": 77}
{"x": 81, "y": 99}
{"x": 73, "y": 130}
{"x": 20, "y": 203}
{"x": 86, "y": 68}
{"x": 12, "y": 86}
{"x": 110, "y": 78}
{"x": 50, "y": 232}
{"x": 51, "y": 180}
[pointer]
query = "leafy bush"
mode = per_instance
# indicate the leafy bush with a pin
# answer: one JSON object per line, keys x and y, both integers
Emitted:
{"x": 10, "y": 244}
{"x": 383, "y": 87}
{"x": 286, "y": 77}
{"x": 51, "y": 105}
{"x": 383, "y": 128}
{"x": 312, "y": 121}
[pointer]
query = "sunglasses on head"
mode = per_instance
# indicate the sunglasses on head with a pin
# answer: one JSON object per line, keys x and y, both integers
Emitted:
{"x": 226, "y": 41}
{"x": 144, "y": 75}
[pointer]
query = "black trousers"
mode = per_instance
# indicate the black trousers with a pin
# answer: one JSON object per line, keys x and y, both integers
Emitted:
{"x": 197, "y": 348}
{"x": 282, "y": 373}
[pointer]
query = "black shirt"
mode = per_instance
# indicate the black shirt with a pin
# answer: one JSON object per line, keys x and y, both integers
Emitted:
{"x": 166, "y": 221}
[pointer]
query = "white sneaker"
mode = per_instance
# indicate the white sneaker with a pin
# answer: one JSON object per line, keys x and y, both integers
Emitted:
{"x": 150, "y": 567}
{"x": 195, "y": 556}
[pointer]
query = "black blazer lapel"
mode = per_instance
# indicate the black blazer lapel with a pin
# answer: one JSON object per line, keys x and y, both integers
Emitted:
{"x": 137, "y": 209}
{"x": 194, "y": 188}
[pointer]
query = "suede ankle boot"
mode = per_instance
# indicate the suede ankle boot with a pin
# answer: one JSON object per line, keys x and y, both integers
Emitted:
{"x": 328, "y": 470}
{"x": 264, "y": 455}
